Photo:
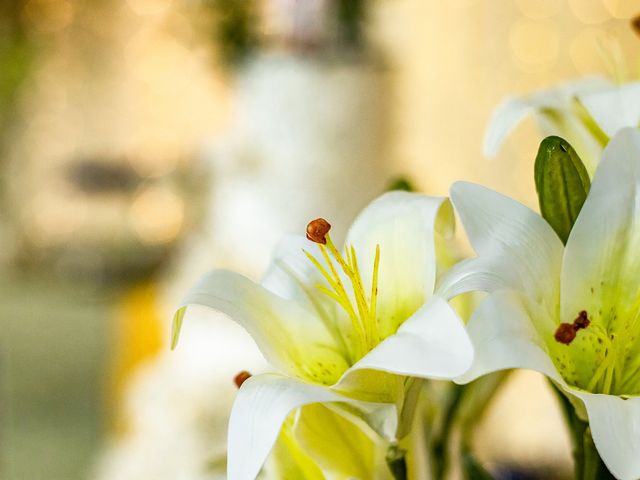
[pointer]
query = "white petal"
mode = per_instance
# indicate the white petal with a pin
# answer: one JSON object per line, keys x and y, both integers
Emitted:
{"x": 479, "y": 274}
{"x": 261, "y": 406}
{"x": 290, "y": 268}
{"x": 403, "y": 225}
{"x": 290, "y": 336}
{"x": 513, "y": 110}
{"x": 433, "y": 343}
{"x": 517, "y": 247}
{"x": 615, "y": 426}
{"x": 503, "y": 337}
{"x": 343, "y": 445}
{"x": 602, "y": 257}
{"x": 615, "y": 108}
{"x": 504, "y": 119}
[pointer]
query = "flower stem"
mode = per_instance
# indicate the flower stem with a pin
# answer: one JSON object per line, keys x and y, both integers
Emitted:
{"x": 397, "y": 462}
{"x": 592, "y": 468}
{"x": 587, "y": 462}
{"x": 441, "y": 447}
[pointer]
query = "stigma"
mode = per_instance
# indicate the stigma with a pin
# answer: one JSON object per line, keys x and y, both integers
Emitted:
{"x": 566, "y": 332}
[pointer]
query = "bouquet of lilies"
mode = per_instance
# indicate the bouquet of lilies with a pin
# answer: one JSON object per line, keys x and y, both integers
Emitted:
{"x": 381, "y": 350}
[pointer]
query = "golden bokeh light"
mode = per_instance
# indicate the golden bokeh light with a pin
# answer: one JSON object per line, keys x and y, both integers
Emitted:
{"x": 48, "y": 16}
{"x": 149, "y": 7}
{"x": 157, "y": 215}
{"x": 622, "y": 8}
{"x": 590, "y": 12}
{"x": 584, "y": 50}
{"x": 539, "y": 9}
{"x": 535, "y": 45}
{"x": 49, "y": 222}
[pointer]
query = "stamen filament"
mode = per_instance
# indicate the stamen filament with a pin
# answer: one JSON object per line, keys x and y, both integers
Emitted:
{"x": 363, "y": 314}
{"x": 606, "y": 365}
{"x": 340, "y": 295}
{"x": 374, "y": 296}
{"x": 358, "y": 291}
{"x": 331, "y": 326}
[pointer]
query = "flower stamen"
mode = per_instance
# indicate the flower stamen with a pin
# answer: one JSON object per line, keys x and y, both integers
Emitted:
{"x": 363, "y": 314}
{"x": 317, "y": 230}
{"x": 241, "y": 377}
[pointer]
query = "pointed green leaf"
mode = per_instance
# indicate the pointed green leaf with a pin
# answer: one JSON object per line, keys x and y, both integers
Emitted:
{"x": 176, "y": 326}
{"x": 562, "y": 183}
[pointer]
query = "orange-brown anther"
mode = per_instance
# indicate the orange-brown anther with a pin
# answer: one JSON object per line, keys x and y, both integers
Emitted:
{"x": 582, "y": 321}
{"x": 317, "y": 230}
{"x": 240, "y": 378}
{"x": 565, "y": 333}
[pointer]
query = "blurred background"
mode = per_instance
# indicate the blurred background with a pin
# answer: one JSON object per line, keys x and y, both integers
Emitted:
{"x": 143, "y": 142}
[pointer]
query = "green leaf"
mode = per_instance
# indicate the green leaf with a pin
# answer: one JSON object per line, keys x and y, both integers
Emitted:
{"x": 176, "y": 326}
{"x": 562, "y": 183}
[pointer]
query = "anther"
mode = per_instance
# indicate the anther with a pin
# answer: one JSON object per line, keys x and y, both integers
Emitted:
{"x": 565, "y": 333}
{"x": 241, "y": 377}
{"x": 317, "y": 230}
{"x": 582, "y": 321}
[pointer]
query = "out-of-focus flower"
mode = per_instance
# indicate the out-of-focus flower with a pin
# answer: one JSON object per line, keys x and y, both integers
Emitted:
{"x": 354, "y": 328}
{"x": 569, "y": 312}
{"x": 587, "y": 113}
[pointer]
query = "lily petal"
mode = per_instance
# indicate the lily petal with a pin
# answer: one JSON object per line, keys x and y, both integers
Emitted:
{"x": 279, "y": 327}
{"x": 432, "y": 343}
{"x": 403, "y": 225}
{"x": 342, "y": 448}
{"x": 503, "y": 337}
{"x": 615, "y": 108}
{"x": 615, "y": 427}
{"x": 514, "y": 109}
{"x": 504, "y": 120}
{"x": 290, "y": 269}
{"x": 516, "y": 246}
{"x": 602, "y": 259}
{"x": 477, "y": 274}
{"x": 261, "y": 407}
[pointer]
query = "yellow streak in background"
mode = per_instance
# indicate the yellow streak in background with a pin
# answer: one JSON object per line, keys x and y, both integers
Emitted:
{"x": 138, "y": 338}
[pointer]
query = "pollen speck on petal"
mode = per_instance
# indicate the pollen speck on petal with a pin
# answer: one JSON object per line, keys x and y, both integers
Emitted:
{"x": 317, "y": 230}
{"x": 241, "y": 377}
{"x": 565, "y": 333}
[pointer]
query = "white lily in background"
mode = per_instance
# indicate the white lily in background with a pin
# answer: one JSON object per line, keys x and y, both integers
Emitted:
{"x": 347, "y": 328}
{"x": 572, "y": 313}
{"x": 586, "y": 113}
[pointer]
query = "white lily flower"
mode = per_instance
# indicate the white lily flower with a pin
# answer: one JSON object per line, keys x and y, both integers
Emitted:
{"x": 572, "y": 313}
{"x": 324, "y": 442}
{"x": 349, "y": 327}
{"x": 586, "y": 113}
